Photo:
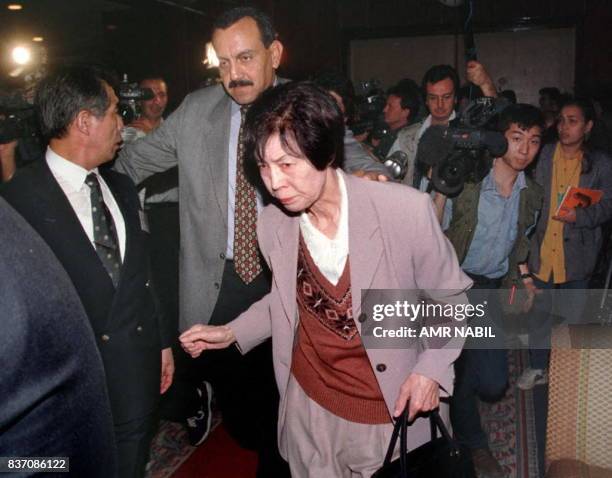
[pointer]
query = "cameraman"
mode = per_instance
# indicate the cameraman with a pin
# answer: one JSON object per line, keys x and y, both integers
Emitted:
{"x": 152, "y": 110}
{"x": 440, "y": 86}
{"x": 401, "y": 108}
{"x": 362, "y": 163}
{"x": 490, "y": 222}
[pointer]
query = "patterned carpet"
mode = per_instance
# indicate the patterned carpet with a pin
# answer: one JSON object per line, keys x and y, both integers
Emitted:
{"x": 511, "y": 424}
{"x": 170, "y": 448}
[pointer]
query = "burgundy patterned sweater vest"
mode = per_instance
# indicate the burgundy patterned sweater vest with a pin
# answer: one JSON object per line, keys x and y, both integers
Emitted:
{"x": 329, "y": 360}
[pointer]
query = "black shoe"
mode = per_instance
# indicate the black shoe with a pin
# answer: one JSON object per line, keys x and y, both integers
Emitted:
{"x": 485, "y": 464}
{"x": 198, "y": 426}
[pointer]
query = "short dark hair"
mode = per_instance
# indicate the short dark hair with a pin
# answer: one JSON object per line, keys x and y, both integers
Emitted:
{"x": 524, "y": 115}
{"x": 304, "y": 115}
{"x": 152, "y": 76}
{"x": 61, "y": 95}
{"x": 332, "y": 80}
{"x": 408, "y": 92}
{"x": 438, "y": 73}
{"x": 264, "y": 22}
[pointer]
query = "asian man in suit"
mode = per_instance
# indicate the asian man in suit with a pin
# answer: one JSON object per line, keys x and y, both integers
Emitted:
{"x": 90, "y": 219}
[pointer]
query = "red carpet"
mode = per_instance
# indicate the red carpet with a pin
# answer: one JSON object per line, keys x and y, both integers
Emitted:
{"x": 219, "y": 457}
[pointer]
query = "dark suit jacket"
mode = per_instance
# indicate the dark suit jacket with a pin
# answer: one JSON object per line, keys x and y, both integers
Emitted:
{"x": 54, "y": 400}
{"x": 125, "y": 321}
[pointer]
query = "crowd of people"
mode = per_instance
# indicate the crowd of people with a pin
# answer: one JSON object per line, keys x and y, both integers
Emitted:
{"x": 285, "y": 219}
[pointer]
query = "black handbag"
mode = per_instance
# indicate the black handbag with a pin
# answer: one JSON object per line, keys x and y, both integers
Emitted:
{"x": 439, "y": 458}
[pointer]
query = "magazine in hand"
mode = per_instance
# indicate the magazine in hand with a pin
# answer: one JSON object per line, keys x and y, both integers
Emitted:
{"x": 578, "y": 197}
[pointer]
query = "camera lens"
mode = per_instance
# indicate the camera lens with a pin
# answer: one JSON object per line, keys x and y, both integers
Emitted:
{"x": 126, "y": 113}
{"x": 449, "y": 176}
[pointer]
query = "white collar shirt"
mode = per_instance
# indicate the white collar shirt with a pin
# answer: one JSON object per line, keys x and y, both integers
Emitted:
{"x": 71, "y": 178}
{"x": 329, "y": 255}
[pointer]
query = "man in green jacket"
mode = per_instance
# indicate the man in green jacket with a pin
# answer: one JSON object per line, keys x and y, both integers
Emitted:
{"x": 489, "y": 228}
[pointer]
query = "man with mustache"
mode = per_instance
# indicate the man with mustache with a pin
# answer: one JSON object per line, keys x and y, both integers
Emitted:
{"x": 221, "y": 272}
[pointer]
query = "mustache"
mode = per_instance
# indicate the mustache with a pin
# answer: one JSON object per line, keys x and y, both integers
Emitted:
{"x": 238, "y": 83}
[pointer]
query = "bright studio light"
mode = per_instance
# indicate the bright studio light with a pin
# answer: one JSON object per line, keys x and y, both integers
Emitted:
{"x": 21, "y": 55}
{"x": 14, "y": 6}
{"x": 211, "y": 59}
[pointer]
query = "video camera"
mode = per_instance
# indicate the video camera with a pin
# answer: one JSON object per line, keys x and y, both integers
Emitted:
{"x": 17, "y": 119}
{"x": 130, "y": 94}
{"x": 456, "y": 153}
{"x": 370, "y": 101}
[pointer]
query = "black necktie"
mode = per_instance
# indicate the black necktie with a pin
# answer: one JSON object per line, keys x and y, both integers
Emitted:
{"x": 105, "y": 234}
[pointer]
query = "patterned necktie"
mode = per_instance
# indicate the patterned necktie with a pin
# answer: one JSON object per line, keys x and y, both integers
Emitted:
{"x": 246, "y": 253}
{"x": 105, "y": 235}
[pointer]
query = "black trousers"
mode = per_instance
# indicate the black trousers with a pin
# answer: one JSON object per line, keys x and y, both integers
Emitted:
{"x": 479, "y": 373}
{"x": 134, "y": 445}
{"x": 245, "y": 387}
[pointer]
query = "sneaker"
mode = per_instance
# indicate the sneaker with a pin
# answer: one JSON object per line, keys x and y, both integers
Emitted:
{"x": 198, "y": 426}
{"x": 532, "y": 377}
{"x": 485, "y": 464}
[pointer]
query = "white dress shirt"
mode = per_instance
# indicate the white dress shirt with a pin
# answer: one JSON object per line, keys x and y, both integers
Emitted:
{"x": 329, "y": 255}
{"x": 71, "y": 178}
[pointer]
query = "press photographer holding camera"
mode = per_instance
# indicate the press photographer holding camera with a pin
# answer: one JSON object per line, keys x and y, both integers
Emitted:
{"x": 439, "y": 86}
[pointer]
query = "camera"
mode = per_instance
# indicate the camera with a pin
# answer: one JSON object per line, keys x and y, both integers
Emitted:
{"x": 369, "y": 104}
{"x": 17, "y": 119}
{"x": 456, "y": 153}
{"x": 130, "y": 94}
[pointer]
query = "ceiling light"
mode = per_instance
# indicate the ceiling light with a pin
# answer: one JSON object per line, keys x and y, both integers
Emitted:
{"x": 14, "y": 6}
{"x": 37, "y": 39}
{"x": 21, "y": 55}
{"x": 210, "y": 59}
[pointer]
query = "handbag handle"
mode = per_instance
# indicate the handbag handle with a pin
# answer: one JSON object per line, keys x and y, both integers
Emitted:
{"x": 400, "y": 429}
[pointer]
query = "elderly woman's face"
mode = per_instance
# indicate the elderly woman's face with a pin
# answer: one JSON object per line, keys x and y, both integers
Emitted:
{"x": 292, "y": 180}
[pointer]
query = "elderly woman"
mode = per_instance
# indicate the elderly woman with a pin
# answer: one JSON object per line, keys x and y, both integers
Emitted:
{"x": 327, "y": 237}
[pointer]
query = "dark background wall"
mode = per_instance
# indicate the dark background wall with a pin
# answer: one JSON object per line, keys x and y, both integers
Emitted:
{"x": 169, "y": 36}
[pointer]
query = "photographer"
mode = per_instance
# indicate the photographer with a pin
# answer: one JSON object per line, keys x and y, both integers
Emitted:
{"x": 363, "y": 164}
{"x": 152, "y": 110}
{"x": 440, "y": 86}
{"x": 20, "y": 142}
{"x": 401, "y": 108}
{"x": 489, "y": 232}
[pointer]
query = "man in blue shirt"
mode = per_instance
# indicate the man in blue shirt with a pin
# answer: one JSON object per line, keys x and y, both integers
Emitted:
{"x": 489, "y": 229}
